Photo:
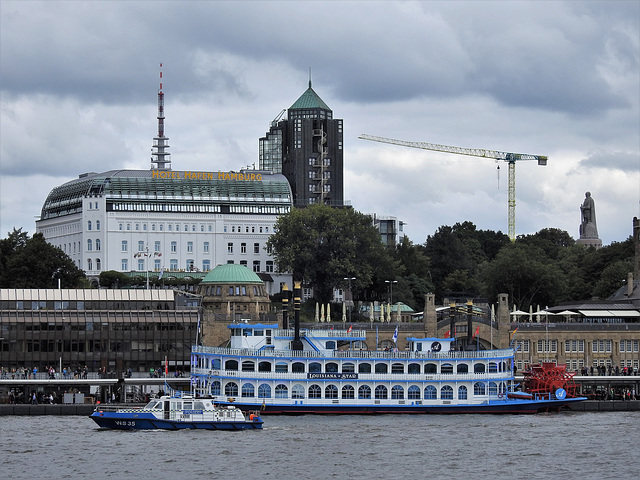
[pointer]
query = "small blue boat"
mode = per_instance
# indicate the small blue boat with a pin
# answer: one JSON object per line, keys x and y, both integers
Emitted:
{"x": 176, "y": 413}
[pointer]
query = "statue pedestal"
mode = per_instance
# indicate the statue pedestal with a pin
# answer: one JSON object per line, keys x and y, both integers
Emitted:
{"x": 590, "y": 242}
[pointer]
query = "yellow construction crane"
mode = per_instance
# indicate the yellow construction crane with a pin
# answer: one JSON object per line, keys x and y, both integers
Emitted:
{"x": 510, "y": 158}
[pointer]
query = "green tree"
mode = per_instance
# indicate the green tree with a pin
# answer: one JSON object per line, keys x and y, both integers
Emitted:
{"x": 526, "y": 274}
{"x": 323, "y": 245}
{"x": 113, "y": 279}
{"x": 35, "y": 263}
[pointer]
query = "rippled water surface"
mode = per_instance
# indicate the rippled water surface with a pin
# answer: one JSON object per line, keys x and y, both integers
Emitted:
{"x": 546, "y": 446}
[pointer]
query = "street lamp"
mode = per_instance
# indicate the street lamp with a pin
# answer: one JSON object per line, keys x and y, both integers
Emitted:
{"x": 391, "y": 282}
{"x": 348, "y": 279}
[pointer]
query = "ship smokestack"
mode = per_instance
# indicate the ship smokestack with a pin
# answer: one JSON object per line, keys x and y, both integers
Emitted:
{"x": 297, "y": 343}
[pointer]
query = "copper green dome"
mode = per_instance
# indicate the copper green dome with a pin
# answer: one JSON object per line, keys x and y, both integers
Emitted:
{"x": 231, "y": 273}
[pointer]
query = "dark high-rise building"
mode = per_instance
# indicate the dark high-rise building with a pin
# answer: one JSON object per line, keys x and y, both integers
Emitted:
{"x": 307, "y": 147}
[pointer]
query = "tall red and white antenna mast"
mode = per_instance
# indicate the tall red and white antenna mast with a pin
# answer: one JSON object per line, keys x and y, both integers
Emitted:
{"x": 160, "y": 158}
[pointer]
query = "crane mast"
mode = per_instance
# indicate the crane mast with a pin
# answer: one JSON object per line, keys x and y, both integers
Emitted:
{"x": 510, "y": 158}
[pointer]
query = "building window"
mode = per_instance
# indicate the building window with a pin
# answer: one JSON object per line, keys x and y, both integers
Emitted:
{"x": 193, "y": 227}
{"x": 190, "y": 247}
{"x": 156, "y": 246}
{"x": 256, "y": 248}
{"x": 205, "y": 247}
{"x": 97, "y": 244}
{"x": 243, "y": 262}
{"x": 124, "y": 264}
{"x": 128, "y": 227}
{"x": 89, "y": 264}
{"x": 140, "y": 264}
{"x": 230, "y": 247}
{"x": 547, "y": 346}
{"x": 269, "y": 267}
{"x": 137, "y": 227}
{"x": 141, "y": 246}
{"x": 243, "y": 248}
{"x": 186, "y": 227}
{"x": 153, "y": 227}
{"x": 97, "y": 224}
{"x": 206, "y": 265}
{"x": 98, "y": 264}
{"x": 601, "y": 346}
{"x": 156, "y": 265}
{"x": 574, "y": 346}
{"x": 89, "y": 225}
{"x": 173, "y": 265}
{"x": 256, "y": 266}
{"x": 125, "y": 246}
{"x": 89, "y": 245}
{"x": 120, "y": 226}
{"x": 161, "y": 226}
{"x": 190, "y": 266}
{"x": 174, "y": 247}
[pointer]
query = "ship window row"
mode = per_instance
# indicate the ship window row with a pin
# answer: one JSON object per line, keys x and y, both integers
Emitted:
{"x": 363, "y": 392}
{"x": 333, "y": 367}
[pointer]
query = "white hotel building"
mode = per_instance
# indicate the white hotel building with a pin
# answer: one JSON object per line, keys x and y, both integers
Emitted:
{"x": 176, "y": 221}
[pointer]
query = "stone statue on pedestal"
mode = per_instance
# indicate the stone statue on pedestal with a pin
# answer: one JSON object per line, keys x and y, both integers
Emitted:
{"x": 588, "y": 227}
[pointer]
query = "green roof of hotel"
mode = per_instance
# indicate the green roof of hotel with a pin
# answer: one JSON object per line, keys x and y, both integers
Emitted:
{"x": 308, "y": 100}
{"x": 231, "y": 273}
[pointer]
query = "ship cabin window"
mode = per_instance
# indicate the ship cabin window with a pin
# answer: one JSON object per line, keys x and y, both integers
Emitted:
{"x": 215, "y": 364}
{"x": 430, "y": 368}
{"x": 348, "y": 392}
{"x": 462, "y": 392}
{"x": 381, "y": 392}
{"x": 364, "y": 368}
{"x": 397, "y": 368}
{"x": 215, "y": 387}
{"x": 397, "y": 392}
{"x": 264, "y": 366}
{"x": 382, "y": 368}
{"x": 198, "y": 405}
{"x": 282, "y": 367}
{"x": 348, "y": 368}
{"x": 430, "y": 393}
{"x": 493, "y": 388}
{"x": 258, "y": 333}
{"x": 248, "y": 366}
{"x": 315, "y": 391}
{"x": 187, "y": 405}
{"x": 297, "y": 391}
{"x": 364, "y": 392}
{"x": 330, "y": 345}
{"x": 413, "y": 393}
{"x": 493, "y": 367}
{"x": 315, "y": 367}
{"x": 297, "y": 367}
{"x": 463, "y": 368}
{"x": 478, "y": 388}
{"x": 478, "y": 368}
{"x": 231, "y": 389}
{"x": 331, "y": 391}
{"x": 446, "y": 393}
{"x": 417, "y": 348}
{"x": 413, "y": 368}
{"x": 446, "y": 368}
{"x": 231, "y": 365}
{"x": 248, "y": 390}
{"x": 264, "y": 391}
{"x": 331, "y": 367}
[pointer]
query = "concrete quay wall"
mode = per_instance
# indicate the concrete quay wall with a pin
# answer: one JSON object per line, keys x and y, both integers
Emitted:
{"x": 86, "y": 410}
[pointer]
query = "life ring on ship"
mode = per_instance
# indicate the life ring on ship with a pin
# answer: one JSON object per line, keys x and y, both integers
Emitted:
{"x": 500, "y": 395}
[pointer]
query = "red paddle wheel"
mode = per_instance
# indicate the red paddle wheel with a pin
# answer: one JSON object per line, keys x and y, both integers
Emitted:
{"x": 547, "y": 377}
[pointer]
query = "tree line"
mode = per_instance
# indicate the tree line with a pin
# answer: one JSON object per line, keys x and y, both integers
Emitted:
{"x": 330, "y": 248}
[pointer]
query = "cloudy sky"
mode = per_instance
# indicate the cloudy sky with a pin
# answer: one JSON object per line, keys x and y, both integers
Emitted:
{"x": 79, "y": 93}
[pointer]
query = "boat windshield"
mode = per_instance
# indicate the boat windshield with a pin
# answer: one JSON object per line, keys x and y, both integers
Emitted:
{"x": 153, "y": 404}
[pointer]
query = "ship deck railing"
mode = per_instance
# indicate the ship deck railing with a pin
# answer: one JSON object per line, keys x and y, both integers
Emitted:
{"x": 361, "y": 377}
{"x": 356, "y": 354}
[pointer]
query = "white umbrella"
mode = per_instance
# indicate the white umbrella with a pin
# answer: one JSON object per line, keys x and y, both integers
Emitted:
{"x": 344, "y": 312}
{"x": 371, "y": 312}
{"x": 388, "y": 312}
{"x": 317, "y": 312}
{"x": 328, "y": 312}
{"x": 322, "y": 313}
{"x": 398, "y": 312}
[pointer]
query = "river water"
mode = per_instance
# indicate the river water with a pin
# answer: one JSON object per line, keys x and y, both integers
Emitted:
{"x": 544, "y": 446}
